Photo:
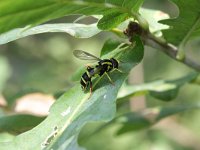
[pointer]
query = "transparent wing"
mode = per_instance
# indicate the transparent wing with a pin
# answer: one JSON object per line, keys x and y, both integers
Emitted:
{"x": 84, "y": 55}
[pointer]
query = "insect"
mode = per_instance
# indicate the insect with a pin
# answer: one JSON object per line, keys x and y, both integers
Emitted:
{"x": 103, "y": 67}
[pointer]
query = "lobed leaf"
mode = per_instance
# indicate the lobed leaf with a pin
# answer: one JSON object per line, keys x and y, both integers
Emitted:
{"x": 186, "y": 25}
{"x": 153, "y": 17}
{"x": 75, "y": 108}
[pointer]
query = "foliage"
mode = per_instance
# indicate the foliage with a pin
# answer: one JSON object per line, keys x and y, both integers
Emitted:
{"x": 186, "y": 25}
{"x": 21, "y": 123}
{"x": 36, "y": 12}
{"x": 74, "y": 29}
{"x": 74, "y": 108}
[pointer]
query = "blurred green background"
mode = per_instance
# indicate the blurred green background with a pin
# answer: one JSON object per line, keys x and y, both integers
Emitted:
{"x": 44, "y": 63}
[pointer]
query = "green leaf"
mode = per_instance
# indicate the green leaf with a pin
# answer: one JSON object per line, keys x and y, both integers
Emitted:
{"x": 16, "y": 124}
{"x": 135, "y": 121}
{"x": 34, "y": 12}
{"x": 153, "y": 16}
{"x": 4, "y": 137}
{"x": 186, "y": 25}
{"x": 74, "y": 29}
{"x": 77, "y": 74}
{"x": 108, "y": 46}
{"x": 75, "y": 108}
{"x": 167, "y": 95}
{"x": 132, "y": 5}
{"x": 162, "y": 89}
{"x": 112, "y": 20}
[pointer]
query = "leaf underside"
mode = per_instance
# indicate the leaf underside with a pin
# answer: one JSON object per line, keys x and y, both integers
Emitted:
{"x": 74, "y": 29}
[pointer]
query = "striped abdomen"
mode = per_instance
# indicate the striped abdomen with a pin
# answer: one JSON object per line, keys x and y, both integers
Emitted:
{"x": 86, "y": 77}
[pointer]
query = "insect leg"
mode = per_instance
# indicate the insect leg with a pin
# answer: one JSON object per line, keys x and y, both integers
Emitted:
{"x": 97, "y": 81}
{"x": 90, "y": 88}
{"x": 119, "y": 70}
{"x": 109, "y": 79}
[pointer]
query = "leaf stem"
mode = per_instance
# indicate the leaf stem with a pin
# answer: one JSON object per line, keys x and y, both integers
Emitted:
{"x": 118, "y": 32}
{"x": 158, "y": 43}
{"x": 168, "y": 49}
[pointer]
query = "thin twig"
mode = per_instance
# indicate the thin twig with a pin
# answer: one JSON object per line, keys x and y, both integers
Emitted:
{"x": 149, "y": 39}
{"x": 168, "y": 49}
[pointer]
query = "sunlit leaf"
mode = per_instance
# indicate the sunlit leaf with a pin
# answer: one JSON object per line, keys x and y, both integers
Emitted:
{"x": 4, "y": 137}
{"x": 74, "y": 29}
{"x": 186, "y": 25}
{"x": 153, "y": 16}
{"x": 75, "y": 108}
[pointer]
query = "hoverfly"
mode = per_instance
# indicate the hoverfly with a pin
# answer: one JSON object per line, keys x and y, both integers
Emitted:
{"x": 103, "y": 67}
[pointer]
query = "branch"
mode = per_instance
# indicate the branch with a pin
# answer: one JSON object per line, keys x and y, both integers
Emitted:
{"x": 149, "y": 39}
{"x": 168, "y": 49}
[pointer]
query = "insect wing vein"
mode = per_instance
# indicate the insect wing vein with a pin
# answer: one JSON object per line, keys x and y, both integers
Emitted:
{"x": 85, "y": 55}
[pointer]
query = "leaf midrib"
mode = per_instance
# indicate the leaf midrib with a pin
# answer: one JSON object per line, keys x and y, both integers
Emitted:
{"x": 70, "y": 119}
